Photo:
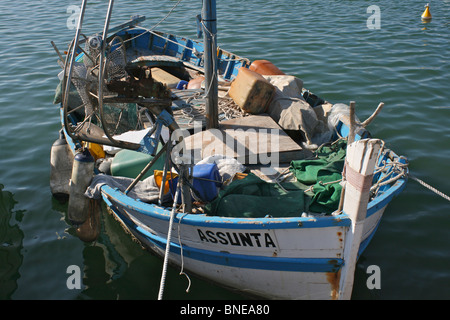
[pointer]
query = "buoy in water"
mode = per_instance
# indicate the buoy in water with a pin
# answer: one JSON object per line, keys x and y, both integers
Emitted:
{"x": 426, "y": 15}
{"x": 82, "y": 172}
{"x": 61, "y": 160}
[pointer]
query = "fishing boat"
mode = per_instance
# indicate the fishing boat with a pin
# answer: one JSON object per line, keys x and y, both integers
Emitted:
{"x": 226, "y": 168}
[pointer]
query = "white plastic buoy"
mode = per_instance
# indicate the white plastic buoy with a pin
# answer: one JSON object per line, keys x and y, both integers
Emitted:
{"x": 82, "y": 173}
{"x": 61, "y": 161}
{"x": 426, "y": 15}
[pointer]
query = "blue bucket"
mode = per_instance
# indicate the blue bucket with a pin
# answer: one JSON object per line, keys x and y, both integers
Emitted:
{"x": 206, "y": 182}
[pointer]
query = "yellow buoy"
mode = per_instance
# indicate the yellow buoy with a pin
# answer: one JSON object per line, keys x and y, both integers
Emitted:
{"x": 426, "y": 15}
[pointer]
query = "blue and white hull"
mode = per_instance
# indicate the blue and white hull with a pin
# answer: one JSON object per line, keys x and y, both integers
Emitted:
{"x": 275, "y": 258}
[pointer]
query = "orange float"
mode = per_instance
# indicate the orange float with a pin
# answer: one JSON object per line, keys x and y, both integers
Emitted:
{"x": 265, "y": 67}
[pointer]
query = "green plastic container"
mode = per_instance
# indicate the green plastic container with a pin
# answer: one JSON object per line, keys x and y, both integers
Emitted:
{"x": 129, "y": 163}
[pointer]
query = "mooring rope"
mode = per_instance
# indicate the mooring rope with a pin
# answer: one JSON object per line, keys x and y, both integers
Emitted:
{"x": 398, "y": 172}
{"x": 169, "y": 238}
{"x": 426, "y": 185}
{"x": 182, "y": 259}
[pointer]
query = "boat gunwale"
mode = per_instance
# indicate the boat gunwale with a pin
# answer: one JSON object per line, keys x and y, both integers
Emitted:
{"x": 223, "y": 56}
{"x": 153, "y": 210}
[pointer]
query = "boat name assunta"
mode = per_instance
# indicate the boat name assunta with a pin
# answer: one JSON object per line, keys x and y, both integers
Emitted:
{"x": 251, "y": 239}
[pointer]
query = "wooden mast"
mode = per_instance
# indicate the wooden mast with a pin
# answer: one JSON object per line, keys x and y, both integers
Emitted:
{"x": 210, "y": 59}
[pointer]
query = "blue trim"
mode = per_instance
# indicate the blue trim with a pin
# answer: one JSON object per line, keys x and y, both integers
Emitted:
{"x": 159, "y": 44}
{"x": 363, "y": 245}
{"x": 152, "y": 210}
{"x": 237, "y": 260}
{"x": 247, "y": 261}
{"x": 252, "y": 223}
{"x": 73, "y": 146}
{"x": 384, "y": 196}
{"x": 383, "y": 199}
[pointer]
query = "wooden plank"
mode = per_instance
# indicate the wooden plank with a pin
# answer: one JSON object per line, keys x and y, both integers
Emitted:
{"x": 360, "y": 163}
{"x": 255, "y": 139}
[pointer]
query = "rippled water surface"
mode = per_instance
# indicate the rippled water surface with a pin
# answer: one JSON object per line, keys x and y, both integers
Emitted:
{"x": 327, "y": 44}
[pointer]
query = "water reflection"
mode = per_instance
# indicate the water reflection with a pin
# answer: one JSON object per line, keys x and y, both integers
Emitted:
{"x": 117, "y": 267}
{"x": 11, "y": 239}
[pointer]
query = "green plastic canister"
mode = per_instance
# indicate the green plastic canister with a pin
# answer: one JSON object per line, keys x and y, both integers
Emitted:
{"x": 129, "y": 163}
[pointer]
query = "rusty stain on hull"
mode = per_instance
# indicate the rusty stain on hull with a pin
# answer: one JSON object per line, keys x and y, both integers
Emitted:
{"x": 339, "y": 234}
{"x": 334, "y": 278}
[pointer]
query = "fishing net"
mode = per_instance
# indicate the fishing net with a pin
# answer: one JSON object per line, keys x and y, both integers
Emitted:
{"x": 323, "y": 176}
{"x": 117, "y": 117}
{"x": 253, "y": 197}
{"x": 316, "y": 190}
{"x": 194, "y": 110}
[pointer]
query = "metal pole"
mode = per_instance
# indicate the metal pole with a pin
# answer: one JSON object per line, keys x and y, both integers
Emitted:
{"x": 210, "y": 55}
{"x": 68, "y": 73}
{"x": 101, "y": 73}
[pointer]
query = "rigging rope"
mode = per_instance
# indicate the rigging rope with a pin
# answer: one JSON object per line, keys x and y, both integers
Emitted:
{"x": 157, "y": 24}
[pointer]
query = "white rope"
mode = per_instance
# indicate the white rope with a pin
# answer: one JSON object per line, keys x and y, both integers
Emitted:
{"x": 426, "y": 185}
{"x": 169, "y": 238}
{"x": 182, "y": 258}
{"x": 397, "y": 172}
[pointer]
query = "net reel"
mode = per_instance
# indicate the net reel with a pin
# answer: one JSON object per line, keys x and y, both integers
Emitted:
{"x": 114, "y": 94}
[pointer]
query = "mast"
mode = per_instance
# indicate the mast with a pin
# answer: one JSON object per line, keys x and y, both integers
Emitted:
{"x": 210, "y": 57}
